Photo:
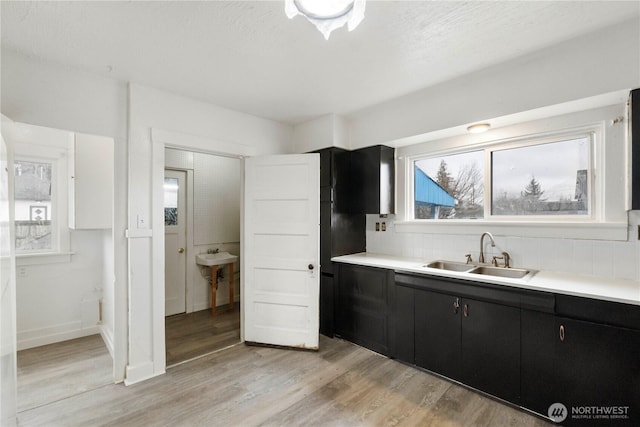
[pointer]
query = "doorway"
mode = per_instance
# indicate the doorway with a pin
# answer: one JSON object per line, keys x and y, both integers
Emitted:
{"x": 202, "y": 203}
{"x": 62, "y": 200}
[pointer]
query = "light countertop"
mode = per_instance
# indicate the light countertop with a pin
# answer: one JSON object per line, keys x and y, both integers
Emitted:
{"x": 617, "y": 290}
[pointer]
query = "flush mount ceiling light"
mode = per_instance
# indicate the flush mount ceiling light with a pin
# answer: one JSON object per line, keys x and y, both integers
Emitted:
{"x": 478, "y": 127}
{"x": 327, "y": 15}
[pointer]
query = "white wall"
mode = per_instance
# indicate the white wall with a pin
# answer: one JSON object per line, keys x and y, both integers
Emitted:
{"x": 601, "y": 62}
{"x": 326, "y": 131}
{"x": 59, "y": 301}
{"x": 48, "y": 94}
{"x": 191, "y": 125}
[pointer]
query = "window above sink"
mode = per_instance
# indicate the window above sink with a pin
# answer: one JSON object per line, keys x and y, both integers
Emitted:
{"x": 559, "y": 177}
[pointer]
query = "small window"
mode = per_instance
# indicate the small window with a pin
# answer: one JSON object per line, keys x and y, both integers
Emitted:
{"x": 33, "y": 206}
{"x": 170, "y": 201}
{"x": 450, "y": 186}
{"x": 544, "y": 179}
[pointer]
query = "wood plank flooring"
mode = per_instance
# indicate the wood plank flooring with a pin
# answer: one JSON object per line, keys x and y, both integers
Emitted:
{"x": 194, "y": 334}
{"x": 57, "y": 371}
{"x": 340, "y": 385}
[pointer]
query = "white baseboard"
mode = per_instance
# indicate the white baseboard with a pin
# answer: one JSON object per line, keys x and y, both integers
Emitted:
{"x": 53, "y": 334}
{"x": 141, "y": 372}
{"x": 107, "y": 337}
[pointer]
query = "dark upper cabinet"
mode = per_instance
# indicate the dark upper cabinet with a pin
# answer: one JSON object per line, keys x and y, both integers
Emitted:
{"x": 373, "y": 180}
{"x": 341, "y": 232}
{"x": 634, "y": 127}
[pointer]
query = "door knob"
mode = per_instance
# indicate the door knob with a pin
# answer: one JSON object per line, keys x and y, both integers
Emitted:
{"x": 310, "y": 267}
{"x": 180, "y": 250}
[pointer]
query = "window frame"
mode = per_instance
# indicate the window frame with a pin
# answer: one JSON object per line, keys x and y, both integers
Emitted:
{"x": 57, "y": 155}
{"x": 607, "y": 219}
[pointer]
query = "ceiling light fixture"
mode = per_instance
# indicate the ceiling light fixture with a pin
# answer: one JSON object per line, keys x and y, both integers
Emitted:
{"x": 327, "y": 15}
{"x": 478, "y": 127}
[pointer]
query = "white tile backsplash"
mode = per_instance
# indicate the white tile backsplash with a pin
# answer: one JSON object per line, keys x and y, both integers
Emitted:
{"x": 612, "y": 259}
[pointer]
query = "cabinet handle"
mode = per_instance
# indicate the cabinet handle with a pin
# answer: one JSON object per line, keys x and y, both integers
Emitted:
{"x": 561, "y": 333}
{"x": 456, "y": 306}
{"x": 466, "y": 310}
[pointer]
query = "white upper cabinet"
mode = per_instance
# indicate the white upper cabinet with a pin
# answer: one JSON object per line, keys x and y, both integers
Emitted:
{"x": 91, "y": 182}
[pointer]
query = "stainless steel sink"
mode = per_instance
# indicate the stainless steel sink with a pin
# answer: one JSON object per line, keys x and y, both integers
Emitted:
{"x": 511, "y": 273}
{"x": 449, "y": 265}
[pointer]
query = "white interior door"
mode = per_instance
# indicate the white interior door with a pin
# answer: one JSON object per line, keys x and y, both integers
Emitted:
{"x": 281, "y": 250}
{"x": 175, "y": 256}
{"x": 8, "y": 368}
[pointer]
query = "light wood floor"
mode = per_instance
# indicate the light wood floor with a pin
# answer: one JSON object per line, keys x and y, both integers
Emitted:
{"x": 341, "y": 385}
{"x": 57, "y": 371}
{"x": 194, "y": 334}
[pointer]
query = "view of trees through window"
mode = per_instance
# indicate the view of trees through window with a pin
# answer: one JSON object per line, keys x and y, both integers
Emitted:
{"x": 33, "y": 209}
{"x": 461, "y": 176}
{"x": 542, "y": 179}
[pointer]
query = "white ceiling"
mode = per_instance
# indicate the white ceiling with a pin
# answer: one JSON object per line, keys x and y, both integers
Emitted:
{"x": 249, "y": 57}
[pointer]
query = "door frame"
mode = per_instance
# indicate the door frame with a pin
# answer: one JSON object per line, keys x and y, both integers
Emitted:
{"x": 160, "y": 140}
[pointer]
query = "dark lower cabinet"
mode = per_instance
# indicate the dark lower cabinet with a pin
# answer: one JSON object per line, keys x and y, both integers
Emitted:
{"x": 438, "y": 333}
{"x": 362, "y": 313}
{"x": 327, "y": 327}
{"x": 537, "y": 360}
{"x": 402, "y": 331}
{"x": 490, "y": 348}
{"x": 597, "y": 366}
{"x": 471, "y": 341}
{"x": 530, "y": 348}
{"x": 593, "y": 369}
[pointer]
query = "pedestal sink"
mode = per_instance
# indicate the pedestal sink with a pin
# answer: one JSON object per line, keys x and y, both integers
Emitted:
{"x": 216, "y": 259}
{"x": 213, "y": 261}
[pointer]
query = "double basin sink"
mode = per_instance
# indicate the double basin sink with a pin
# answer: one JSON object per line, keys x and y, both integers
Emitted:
{"x": 486, "y": 270}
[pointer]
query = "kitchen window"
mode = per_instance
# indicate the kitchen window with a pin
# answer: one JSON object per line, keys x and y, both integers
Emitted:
{"x": 528, "y": 178}
{"x": 564, "y": 176}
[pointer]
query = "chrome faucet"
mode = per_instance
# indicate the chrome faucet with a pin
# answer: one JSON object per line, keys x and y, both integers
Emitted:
{"x": 493, "y": 244}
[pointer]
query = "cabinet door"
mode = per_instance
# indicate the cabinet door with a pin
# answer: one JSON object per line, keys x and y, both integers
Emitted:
{"x": 91, "y": 183}
{"x": 537, "y": 343}
{"x": 438, "y": 333}
{"x": 326, "y": 305}
{"x": 362, "y": 314}
{"x": 598, "y": 366}
{"x": 490, "y": 350}
{"x": 401, "y": 335}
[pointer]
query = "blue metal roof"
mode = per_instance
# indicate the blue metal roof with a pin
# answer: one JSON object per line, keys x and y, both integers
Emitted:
{"x": 428, "y": 192}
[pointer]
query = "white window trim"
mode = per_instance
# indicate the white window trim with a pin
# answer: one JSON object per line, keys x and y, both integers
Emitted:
{"x": 57, "y": 155}
{"x": 608, "y": 219}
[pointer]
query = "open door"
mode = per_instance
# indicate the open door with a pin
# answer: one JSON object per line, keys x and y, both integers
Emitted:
{"x": 8, "y": 367}
{"x": 175, "y": 238}
{"x": 281, "y": 250}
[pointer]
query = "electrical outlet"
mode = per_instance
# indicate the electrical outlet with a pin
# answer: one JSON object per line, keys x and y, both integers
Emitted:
{"x": 384, "y": 226}
{"x": 22, "y": 272}
{"x": 639, "y": 232}
{"x": 377, "y": 226}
